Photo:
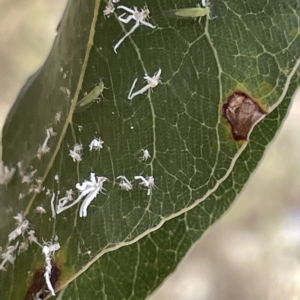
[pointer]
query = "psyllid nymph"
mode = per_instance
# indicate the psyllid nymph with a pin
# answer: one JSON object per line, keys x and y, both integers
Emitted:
{"x": 192, "y": 12}
{"x": 92, "y": 96}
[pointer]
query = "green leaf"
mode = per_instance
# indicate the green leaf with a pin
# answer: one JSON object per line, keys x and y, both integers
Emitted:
{"x": 129, "y": 241}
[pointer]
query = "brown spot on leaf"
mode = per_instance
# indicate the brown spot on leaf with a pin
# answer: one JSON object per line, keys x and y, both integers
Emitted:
{"x": 242, "y": 112}
{"x": 38, "y": 288}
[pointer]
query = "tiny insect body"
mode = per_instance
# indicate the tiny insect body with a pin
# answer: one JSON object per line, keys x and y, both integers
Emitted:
{"x": 192, "y": 12}
{"x": 40, "y": 210}
{"x": 89, "y": 99}
{"x": 134, "y": 14}
{"x": 147, "y": 182}
{"x": 96, "y": 144}
{"x": 109, "y": 9}
{"x": 146, "y": 155}
{"x": 152, "y": 82}
{"x": 124, "y": 184}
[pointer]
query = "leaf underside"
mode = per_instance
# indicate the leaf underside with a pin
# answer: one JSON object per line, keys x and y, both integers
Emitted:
{"x": 129, "y": 241}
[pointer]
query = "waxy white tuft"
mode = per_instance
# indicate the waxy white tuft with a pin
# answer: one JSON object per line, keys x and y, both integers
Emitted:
{"x": 89, "y": 189}
{"x": 76, "y": 153}
{"x": 146, "y": 155}
{"x": 151, "y": 83}
{"x": 138, "y": 16}
{"x": 147, "y": 182}
{"x": 124, "y": 184}
{"x": 96, "y": 144}
{"x": 6, "y": 174}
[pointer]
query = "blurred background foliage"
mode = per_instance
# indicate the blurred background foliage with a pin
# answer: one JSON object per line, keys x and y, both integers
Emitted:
{"x": 253, "y": 251}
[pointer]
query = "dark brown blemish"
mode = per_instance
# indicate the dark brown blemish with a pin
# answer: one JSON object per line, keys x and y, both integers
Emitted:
{"x": 241, "y": 111}
{"x": 38, "y": 289}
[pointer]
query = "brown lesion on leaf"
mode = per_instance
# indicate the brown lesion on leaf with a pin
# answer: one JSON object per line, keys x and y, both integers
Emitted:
{"x": 38, "y": 287}
{"x": 241, "y": 112}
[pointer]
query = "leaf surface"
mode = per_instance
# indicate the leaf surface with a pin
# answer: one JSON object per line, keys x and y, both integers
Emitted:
{"x": 130, "y": 241}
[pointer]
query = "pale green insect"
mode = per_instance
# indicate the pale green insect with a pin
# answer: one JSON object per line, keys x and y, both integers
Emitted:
{"x": 89, "y": 99}
{"x": 193, "y": 12}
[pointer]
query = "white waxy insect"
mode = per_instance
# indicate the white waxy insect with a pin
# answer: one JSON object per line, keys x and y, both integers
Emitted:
{"x": 6, "y": 174}
{"x": 20, "y": 168}
{"x": 61, "y": 206}
{"x": 32, "y": 237}
{"x": 138, "y": 16}
{"x": 19, "y": 218}
{"x": 64, "y": 89}
{"x": 124, "y": 184}
{"x": 147, "y": 182}
{"x": 8, "y": 256}
{"x": 57, "y": 117}
{"x": 90, "y": 98}
{"x": 37, "y": 188}
{"x": 89, "y": 189}
{"x": 51, "y": 132}
{"x": 76, "y": 152}
{"x": 40, "y": 210}
{"x": 21, "y": 196}
{"x": 45, "y": 148}
{"x": 145, "y": 155}
{"x": 23, "y": 247}
{"x": 152, "y": 82}
{"x": 96, "y": 144}
{"x": 192, "y": 12}
{"x": 22, "y": 226}
{"x": 28, "y": 177}
{"x": 56, "y": 177}
{"x": 109, "y": 9}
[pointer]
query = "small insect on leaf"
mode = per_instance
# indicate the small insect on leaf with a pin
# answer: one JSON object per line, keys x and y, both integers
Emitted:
{"x": 192, "y": 12}
{"x": 89, "y": 99}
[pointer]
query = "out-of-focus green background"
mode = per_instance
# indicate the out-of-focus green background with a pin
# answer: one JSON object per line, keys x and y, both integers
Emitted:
{"x": 253, "y": 252}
